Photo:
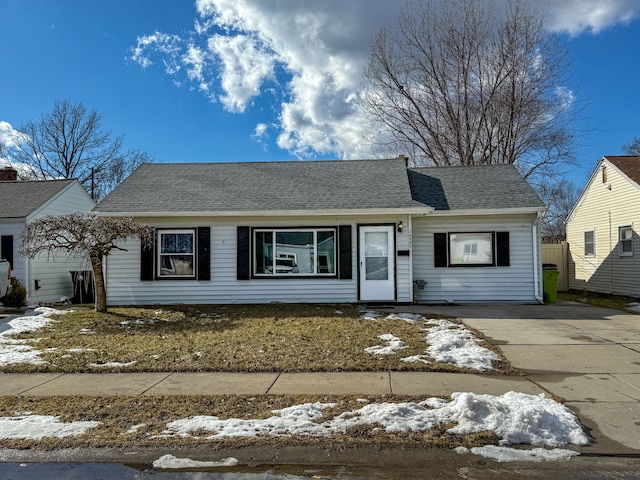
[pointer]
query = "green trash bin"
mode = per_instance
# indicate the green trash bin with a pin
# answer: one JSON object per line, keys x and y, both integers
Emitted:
{"x": 550, "y": 283}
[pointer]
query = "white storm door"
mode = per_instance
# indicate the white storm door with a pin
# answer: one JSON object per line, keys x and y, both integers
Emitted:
{"x": 377, "y": 263}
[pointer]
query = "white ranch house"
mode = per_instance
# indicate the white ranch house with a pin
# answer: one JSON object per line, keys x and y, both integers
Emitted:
{"x": 46, "y": 279}
{"x": 327, "y": 231}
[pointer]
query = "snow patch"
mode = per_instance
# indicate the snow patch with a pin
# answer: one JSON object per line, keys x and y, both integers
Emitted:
{"x": 112, "y": 364}
{"x": 393, "y": 344}
{"x": 453, "y": 343}
{"x": 170, "y": 462}
{"x": 14, "y": 351}
{"x": 506, "y": 454}
{"x": 37, "y": 427}
{"x": 634, "y": 307}
{"x": 516, "y": 418}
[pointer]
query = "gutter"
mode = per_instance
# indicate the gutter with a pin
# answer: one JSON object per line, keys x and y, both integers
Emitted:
{"x": 274, "y": 213}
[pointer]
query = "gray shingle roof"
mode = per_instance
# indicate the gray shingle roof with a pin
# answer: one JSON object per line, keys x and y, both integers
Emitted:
{"x": 261, "y": 186}
{"x": 19, "y": 199}
{"x": 472, "y": 188}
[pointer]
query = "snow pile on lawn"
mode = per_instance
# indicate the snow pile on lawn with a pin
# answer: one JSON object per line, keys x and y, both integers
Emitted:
{"x": 13, "y": 351}
{"x": 393, "y": 344}
{"x": 37, "y": 427}
{"x": 171, "y": 462}
{"x": 453, "y": 343}
{"x": 516, "y": 418}
{"x": 448, "y": 343}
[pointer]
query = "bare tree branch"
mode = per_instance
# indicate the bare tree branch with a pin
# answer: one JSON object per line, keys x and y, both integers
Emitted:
{"x": 69, "y": 142}
{"x": 462, "y": 84}
{"x": 83, "y": 235}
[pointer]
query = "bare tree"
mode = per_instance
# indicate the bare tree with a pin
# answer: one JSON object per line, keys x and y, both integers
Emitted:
{"x": 83, "y": 235}
{"x": 462, "y": 84}
{"x": 560, "y": 197}
{"x": 69, "y": 142}
{"x": 632, "y": 148}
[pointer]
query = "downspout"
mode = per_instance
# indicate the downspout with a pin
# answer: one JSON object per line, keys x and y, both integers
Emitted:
{"x": 536, "y": 265}
{"x": 610, "y": 256}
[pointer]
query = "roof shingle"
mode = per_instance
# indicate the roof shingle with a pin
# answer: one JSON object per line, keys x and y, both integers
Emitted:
{"x": 20, "y": 199}
{"x": 630, "y": 165}
{"x": 476, "y": 187}
{"x": 261, "y": 187}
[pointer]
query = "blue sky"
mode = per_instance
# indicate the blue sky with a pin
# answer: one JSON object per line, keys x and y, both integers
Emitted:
{"x": 240, "y": 80}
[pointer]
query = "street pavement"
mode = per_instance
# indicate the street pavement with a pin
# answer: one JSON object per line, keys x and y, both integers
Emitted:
{"x": 588, "y": 356}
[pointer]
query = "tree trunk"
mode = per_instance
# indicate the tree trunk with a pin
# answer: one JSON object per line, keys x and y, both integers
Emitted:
{"x": 100, "y": 290}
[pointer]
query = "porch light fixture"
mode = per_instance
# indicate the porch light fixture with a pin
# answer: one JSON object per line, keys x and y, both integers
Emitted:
{"x": 400, "y": 226}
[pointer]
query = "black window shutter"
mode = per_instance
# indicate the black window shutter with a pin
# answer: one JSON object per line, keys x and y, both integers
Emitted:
{"x": 440, "y": 250}
{"x": 244, "y": 248}
{"x": 344, "y": 252}
{"x": 6, "y": 249}
{"x": 147, "y": 260}
{"x": 204, "y": 256}
{"x": 502, "y": 249}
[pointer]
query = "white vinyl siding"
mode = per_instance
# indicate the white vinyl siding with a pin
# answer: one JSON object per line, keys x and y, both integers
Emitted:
{"x": 52, "y": 273}
{"x": 604, "y": 207}
{"x": 123, "y": 268}
{"x": 514, "y": 283}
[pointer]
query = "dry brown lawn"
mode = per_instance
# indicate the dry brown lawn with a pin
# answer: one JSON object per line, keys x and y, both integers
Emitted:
{"x": 231, "y": 338}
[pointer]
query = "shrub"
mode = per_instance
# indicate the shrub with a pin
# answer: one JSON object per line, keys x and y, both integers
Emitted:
{"x": 17, "y": 295}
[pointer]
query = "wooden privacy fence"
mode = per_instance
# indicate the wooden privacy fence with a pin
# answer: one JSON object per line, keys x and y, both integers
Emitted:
{"x": 558, "y": 254}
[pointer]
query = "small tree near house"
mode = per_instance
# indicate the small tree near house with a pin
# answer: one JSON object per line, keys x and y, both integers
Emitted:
{"x": 83, "y": 235}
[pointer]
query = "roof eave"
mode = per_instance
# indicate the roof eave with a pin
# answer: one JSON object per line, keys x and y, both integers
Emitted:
{"x": 275, "y": 213}
{"x": 488, "y": 211}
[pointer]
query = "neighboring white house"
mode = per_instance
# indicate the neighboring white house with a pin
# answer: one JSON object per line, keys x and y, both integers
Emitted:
{"x": 602, "y": 230}
{"x": 46, "y": 279}
{"x": 326, "y": 231}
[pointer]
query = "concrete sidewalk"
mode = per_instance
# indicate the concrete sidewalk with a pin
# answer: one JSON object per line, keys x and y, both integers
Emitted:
{"x": 589, "y": 356}
{"x": 336, "y": 383}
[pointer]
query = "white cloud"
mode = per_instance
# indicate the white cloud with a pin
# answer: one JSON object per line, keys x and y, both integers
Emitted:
{"x": 245, "y": 67}
{"x": 9, "y": 136}
{"x": 168, "y": 45}
{"x": 240, "y": 49}
{"x": 578, "y": 16}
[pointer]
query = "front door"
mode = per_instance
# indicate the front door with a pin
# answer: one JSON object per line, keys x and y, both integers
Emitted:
{"x": 377, "y": 263}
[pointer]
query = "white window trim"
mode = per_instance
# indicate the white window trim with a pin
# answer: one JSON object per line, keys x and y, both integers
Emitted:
{"x": 620, "y": 241}
{"x": 293, "y": 256}
{"x": 589, "y": 255}
{"x": 170, "y": 231}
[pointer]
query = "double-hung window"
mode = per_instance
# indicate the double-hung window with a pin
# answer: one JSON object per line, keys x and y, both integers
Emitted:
{"x": 625, "y": 237}
{"x": 176, "y": 253}
{"x": 294, "y": 252}
{"x": 590, "y": 243}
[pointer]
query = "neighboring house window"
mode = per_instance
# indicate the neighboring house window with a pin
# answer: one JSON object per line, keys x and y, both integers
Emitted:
{"x": 590, "y": 243}
{"x": 471, "y": 249}
{"x": 294, "y": 252}
{"x": 6, "y": 249}
{"x": 176, "y": 253}
{"x": 625, "y": 236}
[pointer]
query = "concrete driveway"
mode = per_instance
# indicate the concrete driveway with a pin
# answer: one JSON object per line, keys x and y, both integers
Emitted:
{"x": 590, "y": 356}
